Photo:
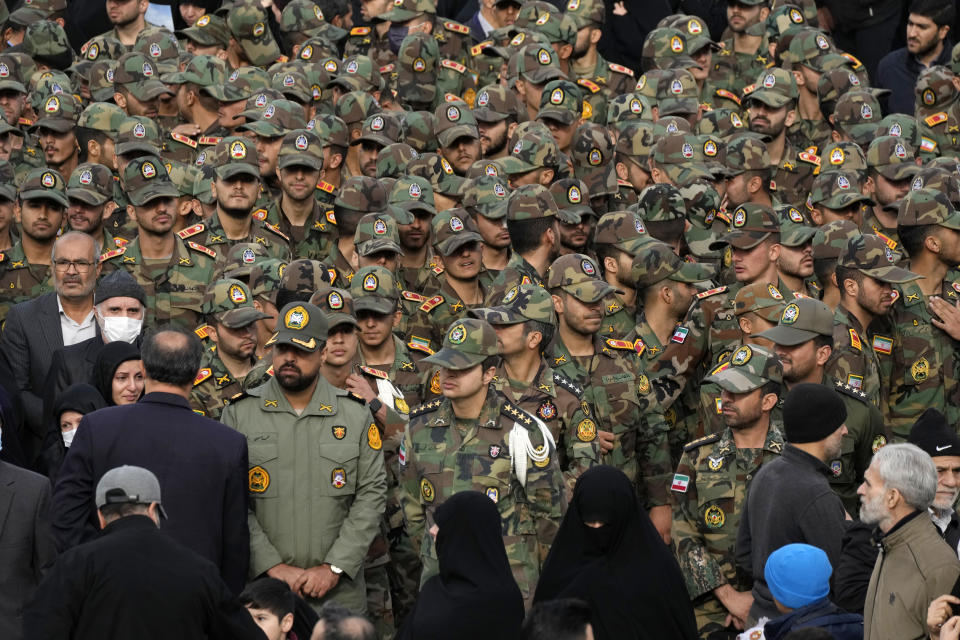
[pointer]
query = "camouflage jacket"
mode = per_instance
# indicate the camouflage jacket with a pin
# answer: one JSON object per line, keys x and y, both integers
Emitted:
{"x": 804, "y": 134}
{"x": 793, "y": 177}
{"x": 211, "y": 234}
{"x": 940, "y": 132}
{"x": 853, "y": 360}
{"x": 619, "y": 318}
{"x": 366, "y": 41}
{"x": 213, "y": 387}
{"x": 734, "y": 71}
{"x": 313, "y": 240}
{"x": 441, "y": 307}
{"x": 613, "y": 79}
{"x": 517, "y": 272}
{"x": 20, "y": 280}
{"x": 890, "y": 236}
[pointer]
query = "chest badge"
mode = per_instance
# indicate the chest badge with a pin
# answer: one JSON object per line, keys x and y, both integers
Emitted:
{"x": 547, "y": 411}
{"x": 339, "y": 478}
{"x": 259, "y": 479}
{"x": 714, "y": 517}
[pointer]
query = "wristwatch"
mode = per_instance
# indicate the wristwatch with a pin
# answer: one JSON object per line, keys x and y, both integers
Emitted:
{"x": 375, "y": 405}
{"x": 337, "y": 570}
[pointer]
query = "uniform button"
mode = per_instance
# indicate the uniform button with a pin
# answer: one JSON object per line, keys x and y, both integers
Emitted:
{"x": 749, "y": 476}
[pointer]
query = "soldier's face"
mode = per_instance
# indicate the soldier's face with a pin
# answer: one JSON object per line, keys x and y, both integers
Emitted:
{"x": 737, "y": 192}
{"x": 375, "y": 328}
{"x": 796, "y": 261}
{"x": 799, "y": 361}
{"x": 740, "y": 17}
{"x": 462, "y": 153}
{"x": 703, "y": 57}
{"x": 581, "y": 317}
{"x": 948, "y": 481}
{"x": 387, "y": 259}
{"x": 238, "y": 193}
{"x": 6, "y": 215}
{"x": 373, "y": 8}
{"x": 874, "y": 296}
{"x": 123, "y": 12}
{"x": 298, "y": 182}
{"x": 367, "y": 156}
{"x": 493, "y": 137}
{"x": 750, "y": 264}
{"x": 464, "y": 263}
{"x": 414, "y": 236}
{"x": 683, "y": 293}
{"x": 494, "y": 232}
{"x": 465, "y": 383}
{"x": 949, "y": 241}
{"x": 342, "y": 344}
{"x": 191, "y": 12}
{"x": 562, "y": 133}
{"x": 510, "y": 339}
{"x": 767, "y": 120}
{"x": 576, "y": 236}
{"x": 853, "y": 213}
{"x": 12, "y": 103}
{"x": 135, "y": 107}
{"x": 295, "y": 369}
{"x": 887, "y": 191}
{"x": 84, "y": 217}
{"x": 267, "y": 151}
{"x": 41, "y": 218}
{"x": 741, "y": 410}
{"x": 156, "y": 217}
{"x": 57, "y": 147}
{"x": 228, "y": 114}
{"x": 239, "y": 343}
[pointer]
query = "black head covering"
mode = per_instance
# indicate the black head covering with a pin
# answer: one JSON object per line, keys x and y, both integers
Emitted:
{"x": 111, "y": 356}
{"x": 82, "y": 398}
{"x": 623, "y": 570}
{"x": 475, "y": 595}
{"x": 932, "y": 433}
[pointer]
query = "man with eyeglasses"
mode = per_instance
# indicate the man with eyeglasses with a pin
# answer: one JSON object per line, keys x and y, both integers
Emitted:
{"x": 36, "y": 328}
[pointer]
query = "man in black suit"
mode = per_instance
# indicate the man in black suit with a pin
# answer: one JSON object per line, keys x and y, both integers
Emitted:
{"x": 36, "y": 328}
{"x": 201, "y": 463}
{"x": 26, "y": 543}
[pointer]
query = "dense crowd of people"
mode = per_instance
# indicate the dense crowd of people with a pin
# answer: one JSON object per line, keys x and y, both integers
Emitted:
{"x": 494, "y": 319}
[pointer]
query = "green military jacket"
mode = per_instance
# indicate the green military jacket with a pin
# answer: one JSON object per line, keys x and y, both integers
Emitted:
{"x": 619, "y": 318}
{"x": 734, "y": 71}
{"x": 866, "y": 434}
{"x": 211, "y": 234}
{"x": 20, "y": 280}
{"x": 853, "y": 360}
{"x": 213, "y": 387}
{"x": 313, "y": 240}
{"x": 317, "y": 483}
{"x": 793, "y": 177}
{"x": 441, "y": 307}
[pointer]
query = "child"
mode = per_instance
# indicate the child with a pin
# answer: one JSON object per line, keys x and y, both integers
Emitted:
{"x": 271, "y": 604}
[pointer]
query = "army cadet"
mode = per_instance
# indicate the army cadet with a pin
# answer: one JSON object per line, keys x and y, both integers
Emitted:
{"x": 264, "y": 283}
{"x": 495, "y": 109}
{"x": 198, "y": 109}
{"x": 709, "y": 488}
{"x": 829, "y": 242}
{"x": 236, "y": 185}
{"x": 297, "y": 212}
{"x": 414, "y": 196}
{"x": 474, "y": 439}
{"x": 588, "y": 66}
{"x": 525, "y": 323}
{"x": 305, "y": 433}
{"x": 803, "y": 340}
{"x": 892, "y": 162}
{"x": 486, "y": 199}
{"x": 207, "y": 36}
{"x": 371, "y": 40}
{"x": 672, "y": 160}
{"x": 234, "y": 92}
{"x": 333, "y": 131}
{"x": 137, "y": 87}
{"x": 231, "y": 327}
{"x": 576, "y": 220}
{"x": 377, "y": 242}
{"x": 90, "y": 192}
{"x": 9, "y": 234}
{"x": 457, "y": 133}
{"x": 533, "y": 159}
{"x": 620, "y": 237}
{"x": 253, "y": 43}
{"x": 173, "y": 272}
{"x": 536, "y": 66}
{"x": 593, "y": 162}
{"x": 302, "y": 20}
{"x": 804, "y": 57}
{"x": 795, "y": 262}
{"x": 865, "y": 274}
{"x": 457, "y": 287}
{"x": 855, "y": 117}
{"x": 56, "y": 134}
{"x": 411, "y": 16}
{"x": 358, "y": 195}
{"x": 25, "y": 267}
{"x": 938, "y": 110}
{"x": 379, "y": 130}
{"x": 918, "y": 357}
{"x": 835, "y": 195}
{"x": 632, "y": 155}
{"x": 743, "y": 55}
{"x": 561, "y": 106}
{"x": 269, "y": 125}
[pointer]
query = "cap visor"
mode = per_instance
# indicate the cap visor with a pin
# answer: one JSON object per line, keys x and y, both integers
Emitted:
{"x": 498, "y": 315}
{"x": 156, "y": 191}
{"x": 226, "y": 171}
{"x": 450, "y": 136}
{"x": 797, "y": 236}
{"x": 60, "y": 125}
{"x": 373, "y": 246}
{"x": 450, "y": 245}
{"x": 769, "y": 98}
{"x": 844, "y": 200}
{"x": 563, "y": 116}
{"x": 263, "y": 128}
{"x": 147, "y": 90}
{"x": 144, "y": 147}
{"x": 682, "y": 173}
{"x": 86, "y": 196}
{"x": 894, "y": 275}
{"x": 299, "y": 160}
{"x": 511, "y": 165}
{"x": 45, "y": 194}
{"x": 735, "y": 380}
{"x": 787, "y": 336}
{"x": 236, "y": 318}
{"x": 693, "y": 272}
{"x": 294, "y": 339}
{"x": 739, "y": 240}
{"x": 375, "y": 138}
{"x": 672, "y": 107}
{"x": 952, "y": 221}
{"x": 485, "y": 114}
{"x": 456, "y": 360}
{"x": 338, "y": 318}
{"x": 377, "y": 304}
{"x": 899, "y": 171}
{"x": 590, "y": 291}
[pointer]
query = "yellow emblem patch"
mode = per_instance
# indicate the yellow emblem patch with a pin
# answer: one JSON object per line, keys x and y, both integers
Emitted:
{"x": 587, "y": 430}
{"x": 878, "y": 443}
{"x": 643, "y": 384}
{"x": 338, "y": 478}
{"x": 426, "y": 490}
{"x": 401, "y": 406}
{"x": 258, "y": 479}
{"x": 920, "y": 370}
{"x": 373, "y": 437}
{"x": 435, "y": 383}
{"x": 714, "y": 517}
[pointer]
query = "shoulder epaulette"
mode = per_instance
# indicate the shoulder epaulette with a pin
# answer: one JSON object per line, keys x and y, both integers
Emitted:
{"x": 332, "y": 273}
{"x": 620, "y": 344}
{"x": 202, "y": 375}
{"x": 3, "y": 257}
{"x": 852, "y": 392}
{"x": 331, "y": 218}
{"x": 196, "y": 246}
{"x": 639, "y": 346}
{"x": 327, "y": 187}
{"x": 426, "y": 407}
{"x": 589, "y": 84}
{"x": 25, "y": 122}
{"x": 191, "y": 231}
{"x": 453, "y": 64}
{"x": 237, "y": 396}
{"x": 619, "y": 68}
{"x": 562, "y": 381}
{"x": 928, "y": 145}
{"x": 729, "y": 95}
{"x": 412, "y": 296}
{"x": 120, "y": 242}
{"x": 699, "y": 442}
{"x": 260, "y": 214}
{"x": 420, "y": 344}
{"x": 811, "y": 158}
{"x": 477, "y": 49}
{"x": 113, "y": 254}
{"x": 353, "y": 396}
{"x": 936, "y": 119}
{"x": 431, "y": 303}
{"x": 187, "y": 140}
{"x": 377, "y": 373}
{"x": 855, "y": 340}
{"x": 388, "y": 68}
{"x": 750, "y": 88}
{"x": 710, "y": 292}
{"x": 202, "y": 331}
{"x": 456, "y": 27}
{"x": 276, "y": 230}
{"x": 438, "y": 269}
{"x": 209, "y": 140}
{"x": 515, "y": 413}
{"x": 360, "y": 31}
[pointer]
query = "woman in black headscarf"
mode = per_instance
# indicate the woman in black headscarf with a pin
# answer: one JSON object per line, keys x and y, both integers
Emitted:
{"x": 609, "y": 554}
{"x": 76, "y": 401}
{"x": 117, "y": 381}
{"x": 474, "y": 597}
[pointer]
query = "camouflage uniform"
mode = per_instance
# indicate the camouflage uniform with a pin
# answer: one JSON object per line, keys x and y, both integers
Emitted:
{"x": 938, "y": 111}
{"x": 625, "y": 231}
{"x": 246, "y": 25}
{"x": 526, "y": 203}
{"x": 612, "y": 79}
{"x": 893, "y": 158}
{"x": 442, "y": 455}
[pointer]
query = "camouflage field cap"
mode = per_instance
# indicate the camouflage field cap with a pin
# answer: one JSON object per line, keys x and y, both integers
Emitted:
{"x": 241, "y": 84}
{"x": 760, "y": 298}
{"x": 452, "y": 229}
{"x": 622, "y": 229}
{"x": 520, "y": 304}
{"x": 146, "y": 179}
{"x": 303, "y": 16}
{"x": 418, "y": 131}
{"x": 529, "y": 202}
{"x": 494, "y": 103}
{"x": 531, "y": 151}
{"x": 628, "y": 108}
{"x": 356, "y": 106}
{"x": 466, "y": 344}
{"x": 487, "y": 195}
{"x": 393, "y": 159}
{"x": 99, "y": 78}
{"x": 808, "y": 47}
{"x": 230, "y": 303}
{"x": 209, "y": 30}
{"x": 301, "y": 325}
{"x": 927, "y": 207}
{"x": 658, "y": 262}
{"x": 358, "y": 73}
{"x": 381, "y": 129}
{"x": 249, "y": 25}
{"x": 694, "y": 29}
{"x": 774, "y": 87}
{"x": 454, "y": 120}
{"x": 749, "y": 368}
{"x": 676, "y": 155}
{"x": 801, "y": 320}
{"x": 579, "y": 275}
{"x": 830, "y": 239}
{"x": 537, "y": 63}
{"x": 44, "y": 184}
{"x": 439, "y": 172}
{"x": 242, "y": 258}
{"x": 677, "y": 93}
{"x": 332, "y": 130}
{"x": 361, "y": 193}
{"x": 636, "y": 141}
{"x": 893, "y": 158}
{"x": 336, "y": 304}
{"x": 666, "y": 48}
{"x": 417, "y": 62}
{"x": 9, "y": 78}
{"x": 239, "y": 156}
{"x": 91, "y": 183}
{"x": 934, "y": 90}
{"x": 294, "y": 85}
{"x": 46, "y": 42}
{"x": 593, "y": 158}
{"x": 870, "y": 254}
{"x": 722, "y": 122}
{"x": 160, "y": 46}
{"x": 562, "y": 101}
{"x": 557, "y": 27}
{"x": 140, "y": 76}
{"x": 405, "y": 10}
{"x": 938, "y": 179}
{"x": 301, "y": 148}
{"x": 836, "y": 190}
{"x": 304, "y": 276}
{"x": 374, "y": 288}
{"x": 858, "y": 113}
{"x": 844, "y": 155}
{"x": 660, "y": 203}
{"x": 275, "y": 120}
{"x": 204, "y": 71}
{"x": 377, "y": 232}
{"x": 138, "y": 135}
{"x": 412, "y": 193}
{"x": 573, "y": 200}
{"x": 796, "y": 229}
{"x": 751, "y": 224}
{"x": 705, "y": 228}
{"x": 60, "y": 113}
{"x": 901, "y": 125}
{"x": 586, "y": 13}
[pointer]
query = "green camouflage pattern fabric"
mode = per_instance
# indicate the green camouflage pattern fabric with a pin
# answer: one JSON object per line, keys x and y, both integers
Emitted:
{"x": 102, "y": 116}
{"x": 211, "y": 234}
{"x": 214, "y": 387}
{"x": 892, "y": 157}
{"x": 20, "y": 280}
{"x": 209, "y": 30}
{"x": 393, "y": 159}
{"x": 734, "y": 70}
{"x": 248, "y": 24}
{"x": 857, "y": 114}
{"x": 593, "y": 158}
{"x": 417, "y": 70}
{"x": 666, "y": 48}
{"x": 91, "y": 183}
{"x": 160, "y": 46}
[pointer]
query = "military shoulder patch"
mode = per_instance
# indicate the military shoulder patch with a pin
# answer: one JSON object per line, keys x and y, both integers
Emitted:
{"x": 639, "y": 346}
{"x": 620, "y": 344}
{"x": 699, "y": 442}
{"x": 453, "y": 64}
{"x": 516, "y": 414}
{"x": 388, "y": 68}
{"x": 883, "y": 345}
{"x": 113, "y": 254}
{"x": 711, "y": 292}
{"x": 619, "y": 68}
{"x": 432, "y": 303}
{"x": 360, "y": 31}
{"x": 456, "y": 27}
{"x": 377, "y": 373}
{"x": 182, "y": 139}
{"x": 356, "y": 398}
{"x": 191, "y": 231}
{"x": 750, "y": 88}
{"x": 202, "y": 375}
{"x": 566, "y": 383}
{"x": 420, "y": 344}
{"x": 729, "y": 95}
{"x": 809, "y": 158}
{"x": 427, "y": 407}
{"x": 855, "y": 340}
{"x": 202, "y": 331}
{"x": 209, "y": 140}
{"x": 202, "y": 249}
{"x": 850, "y": 391}
{"x": 589, "y": 84}
{"x": 328, "y": 188}
{"x": 236, "y": 397}
{"x": 276, "y": 230}
{"x": 477, "y": 49}
{"x": 260, "y": 214}
{"x": 928, "y": 145}
{"x": 936, "y": 119}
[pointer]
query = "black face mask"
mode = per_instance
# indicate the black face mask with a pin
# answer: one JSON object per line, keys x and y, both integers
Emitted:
{"x": 395, "y": 36}
{"x": 600, "y": 538}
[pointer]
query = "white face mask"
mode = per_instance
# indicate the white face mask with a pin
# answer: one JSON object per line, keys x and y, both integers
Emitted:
{"x": 120, "y": 328}
{"x": 68, "y": 437}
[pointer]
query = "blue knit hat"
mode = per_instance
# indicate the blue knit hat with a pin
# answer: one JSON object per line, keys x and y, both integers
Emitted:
{"x": 798, "y": 575}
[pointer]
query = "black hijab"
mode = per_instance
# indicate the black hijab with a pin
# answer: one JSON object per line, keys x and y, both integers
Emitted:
{"x": 474, "y": 597}
{"x": 623, "y": 570}
{"x": 82, "y": 398}
{"x": 111, "y": 356}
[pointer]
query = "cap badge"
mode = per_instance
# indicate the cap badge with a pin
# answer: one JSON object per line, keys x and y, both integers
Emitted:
{"x": 739, "y": 217}
{"x": 866, "y": 112}
{"x": 48, "y": 180}
{"x": 419, "y": 65}
{"x": 297, "y": 318}
{"x": 917, "y": 183}
{"x": 900, "y": 151}
{"x": 542, "y": 20}
{"x": 109, "y": 75}
{"x": 511, "y": 295}
{"x": 453, "y": 114}
{"x": 445, "y": 165}
{"x": 93, "y": 52}
{"x": 543, "y": 57}
{"x": 795, "y": 215}
{"x": 896, "y": 129}
{"x": 201, "y": 158}
{"x": 4, "y": 70}
{"x": 259, "y": 29}
{"x": 676, "y": 44}
{"x": 694, "y": 27}
{"x": 636, "y": 106}
{"x": 56, "y": 89}
{"x": 260, "y": 101}
{"x": 888, "y": 252}
{"x": 139, "y": 131}
{"x": 517, "y": 39}
{"x": 269, "y": 111}
{"x": 457, "y": 335}
{"x": 482, "y": 100}
{"x": 769, "y": 80}
{"x": 288, "y": 81}
{"x": 741, "y": 356}
{"x": 148, "y": 170}
{"x": 203, "y": 21}
{"x": 556, "y": 96}
{"x": 790, "y": 314}
{"x": 573, "y": 5}
{"x": 822, "y": 42}
{"x": 736, "y": 121}
{"x": 334, "y": 300}
{"x": 710, "y": 148}
{"x": 414, "y": 191}
{"x": 796, "y": 17}
{"x": 233, "y": 76}
{"x": 573, "y": 195}
{"x": 836, "y": 156}
{"x": 376, "y": 124}
{"x": 370, "y": 282}
{"x": 774, "y": 292}
{"x": 155, "y": 50}
{"x": 329, "y": 65}
{"x": 517, "y": 148}
{"x": 238, "y": 150}
{"x": 86, "y": 177}
{"x": 248, "y": 256}
{"x": 842, "y": 182}
{"x": 316, "y": 91}
{"x": 52, "y": 105}
{"x": 672, "y": 127}
{"x": 379, "y": 227}
{"x": 676, "y": 87}
{"x": 353, "y": 66}
{"x": 317, "y": 13}
{"x": 147, "y": 69}
{"x": 595, "y": 157}
{"x": 456, "y": 224}
{"x": 491, "y": 170}
{"x": 301, "y": 142}
{"x": 687, "y": 150}
{"x": 237, "y": 294}
{"x": 588, "y": 267}
{"x": 929, "y": 97}
{"x": 638, "y": 225}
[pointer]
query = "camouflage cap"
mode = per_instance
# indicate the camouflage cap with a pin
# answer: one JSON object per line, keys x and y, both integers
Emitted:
{"x": 358, "y": 73}
{"x": 529, "y": 202}
{"x": 417, "y": 62}
{"x": 91, "y": 184}
{"x": 836, "y": 190}
{"x": 361, "y": 193}
{"x": 760, "y": 298}
{"x": 636, "y": 141}
{"x": 146, "y": 179}
{"x": 46, "y": 42}
{"x": 301, "y": 325}
{"x": 678, "y": 94}
{"x": 749, "y": 368}
{"x": 557, "y": 27}
{"x": 249, "y": 25}
{"x": 666, "y": 48}
{"x": 242, "y": 258}
{"x": 870, "y": 254}
{"x": 209, "y": 30}
{"x": 301, "y": 148}
{"x": 782, "y": 24}
{"x": 562, "y": 101}
{"x": 836, "y": 82}
{"x": 140, "y": 76}
{"x": 903, "y": 126}
{"x": 204, "y": 71}
{"x": 808, "y": 46}
{"x": 796, "y": 229}
{"x": 847, "y": 156}
{"x": 494, "y": 103}
{"x": 629, "y": 108}
{"x": 893, "y": 158}
{"x": 830, "y": 239}
{"x": 381, "y": 128}
{"x": 303, "y": 16}
{"x": 393, "y": 159}
{"x": 520, "y": 304}
{"x": 160, "y": 46}
{"x": 532, "y": 150}
{"x": 593, "y": 158}
{"x": 336, "y": 304}
{"x": 934, "y": 90}
{"x": 452, "y": 229}
{"x": 454, "y": 120}
{"x": 857, "y": 113}
{"x": 722, "y": 122}
{"x": 622, "y": 229}
{"x": 587, "y": 13}
{"x": 418, "y": 131}
{"x": 405, "y": 10}
{"x": 802, "y": 320}
{"x": 775, "y": 87}
{"x": 356, "y": 106}
{"x": 537, "y": 63}
{"x": 694, "y": 29}
{"x": 304, "y": 276}
{"x": 230, "y": 303}
{"x": 294, "y": 85}
{"x": 751, "y": 224}
{"x": 44, "y": 184}
{"x": 439, "y": 172}
{"x": 138, "y": 134}
{"x": 705, "y": 228}
{"x": 573, "y": 200}
{"x": 658, "y": 262}
{"x": 487, "y": 195}
{"x": 104, "y": 46}
{"x": 466, "y": 344}
{"x": 377, "y": 232}
{"x": 661, "y": 203}
{"x": 275, "y": 120}
{"x": 927, "y": 207}
{"x": 99, "y": 77}
{"x": 238, "y": 156}
{"x": 412, "y": 193}
{"x": 60, "y": 113}
{"x": 374, "y": 288}
{"x": 332, "y": 130}
{"x": 9, "y": 78}
{"x": 579, "y": 275}
{"x": 938, "y": 179}
{"x": 676, "y": 155}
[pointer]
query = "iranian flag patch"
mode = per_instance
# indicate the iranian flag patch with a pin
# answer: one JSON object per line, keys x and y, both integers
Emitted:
{"x": 680, "y": 483}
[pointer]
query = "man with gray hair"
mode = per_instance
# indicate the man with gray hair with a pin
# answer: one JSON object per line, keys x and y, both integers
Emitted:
{"x": 915, "y": 564}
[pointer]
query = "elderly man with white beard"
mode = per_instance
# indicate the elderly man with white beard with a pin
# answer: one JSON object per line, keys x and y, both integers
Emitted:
{"x": 932, "y": 434}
